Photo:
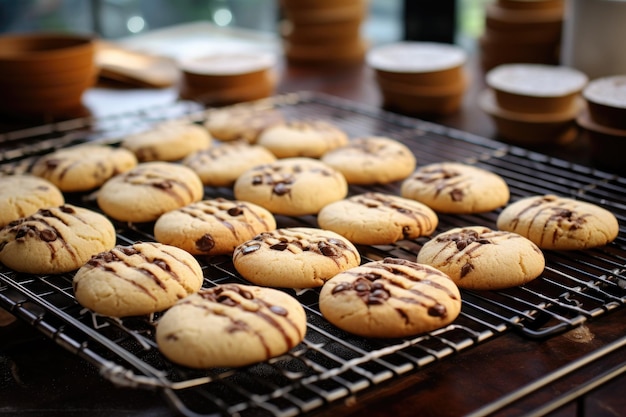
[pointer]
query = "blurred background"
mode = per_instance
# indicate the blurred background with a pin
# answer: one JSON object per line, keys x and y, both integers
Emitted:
{"x": 457, "y": 21}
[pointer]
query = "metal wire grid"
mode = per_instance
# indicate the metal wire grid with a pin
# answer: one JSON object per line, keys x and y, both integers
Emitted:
{"x": 329, "y": 364}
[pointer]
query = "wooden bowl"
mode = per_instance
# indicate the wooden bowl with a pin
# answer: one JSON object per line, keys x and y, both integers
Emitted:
{"x": 607, "y": 146}
{"x": 418, "y": 63}
{"x": 535, "y": 88}
{"x": 422, "y": 100}
{"x": 531, "y": 129}
{"x": 45, "y": 53}
{"x": 606, "y": 100}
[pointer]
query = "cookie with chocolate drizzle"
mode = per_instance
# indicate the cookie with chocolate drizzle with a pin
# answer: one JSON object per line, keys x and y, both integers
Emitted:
{"x": 147, "y": 191}
{"x": 560, "y": 223}
{"x": 378, "y": 219}
{"x": 452, "y": 187}
{"x": 372, "y": 160}
{"x": 298, "y": 257}
{"x": 390, "y": 298}
{"x": 83, "y": 167}
{"x": 231, "y": 325}
{"x": 213, "y": 227}
{"x": 138, "y": 279}
{"x": 55, "y": 240}
{"x": 308, "y": 138}
{"x": 479, "y": 258}
{"x": 291, "y": 186}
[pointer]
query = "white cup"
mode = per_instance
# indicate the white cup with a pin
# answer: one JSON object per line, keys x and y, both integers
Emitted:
{"x": 594, "y": 37}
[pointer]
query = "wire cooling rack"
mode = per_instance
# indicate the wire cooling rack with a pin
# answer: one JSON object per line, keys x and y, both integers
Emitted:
{"x": 329, "y": 364}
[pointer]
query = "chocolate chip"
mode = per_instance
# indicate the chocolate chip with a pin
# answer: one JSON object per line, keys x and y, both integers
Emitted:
{"x": 127, "y": 250}
{"x": 281, "y": 189}
{"x": 205, "y": 243}
{"x": 281, "y": 311}
{"x": 280, "y": 246}
{"x": 251, "y": 248}
{"x": 437, "y": 310}
{"x": 466, "y": 269}
{"x": 341, "y": 287}
{"x": 235, "y": 211}
{"x": 67, "y": 209}
{"x": 48, "y": 235}
{"x": 326, "y": 249}
{"x": 457, "y": 195}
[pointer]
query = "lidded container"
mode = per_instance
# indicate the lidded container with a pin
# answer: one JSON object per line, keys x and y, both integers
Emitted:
{"x": 420, "y": 77}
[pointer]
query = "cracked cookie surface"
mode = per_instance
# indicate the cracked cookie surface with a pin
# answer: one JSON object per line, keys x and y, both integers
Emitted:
{"x": 480, "y": 258}
{"x": 390, "y": 298}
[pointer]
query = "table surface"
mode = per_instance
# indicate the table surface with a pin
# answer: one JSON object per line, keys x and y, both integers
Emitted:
{"x": 39, "y": 378}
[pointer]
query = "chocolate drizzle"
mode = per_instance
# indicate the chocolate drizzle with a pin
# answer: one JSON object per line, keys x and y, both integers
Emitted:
{"x": 295, "y": 242}
{"x": 237, "y": 296}
{"x": 550, "y": 212}
{"x": 376, "y": 282}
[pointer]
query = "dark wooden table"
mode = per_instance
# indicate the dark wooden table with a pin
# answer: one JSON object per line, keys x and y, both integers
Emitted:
{"x": 39, "y": 378}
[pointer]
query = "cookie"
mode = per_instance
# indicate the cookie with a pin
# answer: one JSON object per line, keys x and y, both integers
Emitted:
{"x": 149, "y": 190}
{"x": 168, "y": 141}
{"x": 390, "y": 298}
{"x": 479, "y": 258}
{"x": 55, "y": 240}
{"x": 83, "y": 167}
{"x": 560, "y": 223}
{"x": 230, "y": 325}
{"x": 372, "y": 160}
{"x": 298, "y": 257}
{"x": 291, "y": 186}
{"x": 308, "y": 138}
{"x": 378, "y": 219}
{"x": 451, "y": 187}
{"x": 220, "y": 166}
{"x": 138, "y": 279}
{"x": 23, "y": 195}
{"x": 213, "y": 227}
{"x": 241, "y": 122}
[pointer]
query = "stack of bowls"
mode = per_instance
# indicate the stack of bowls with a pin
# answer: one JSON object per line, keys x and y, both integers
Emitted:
{"x": 44, "y": 75}
{"x": 323, "y": 32}
{"x": 420, "y": 78}
{"x": 522, "y": 31}
{"x": 604, "y": 121}
{"x": 228, "y": 78}
{"x": 534, "y": 104}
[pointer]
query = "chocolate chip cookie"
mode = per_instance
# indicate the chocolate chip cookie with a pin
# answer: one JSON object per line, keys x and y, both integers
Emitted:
{"x": 83, "y": 167}
{"x": 23, "y": 195}
{"x": 378, "y": 219}
{"x": 298, "y": 257}
{"x": 213, "y": 227}
{"x": 308, "y": 138}
{"x": 372, "y": 160}
{"x": 149, "y": 190}
{"x": 138, "y": 279}
{"x": 55, "y": 240}
{"x": 560, "y": 223}
{"x": 479, "y": 258}
{"x": 230, "y": 325}
{"x": 168, "y": 141}
{"x": 451, "y": 187}
{"x": 291, "y": 186}
{"x": 220, "y": 166}
{"x": 390, "y": 298}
